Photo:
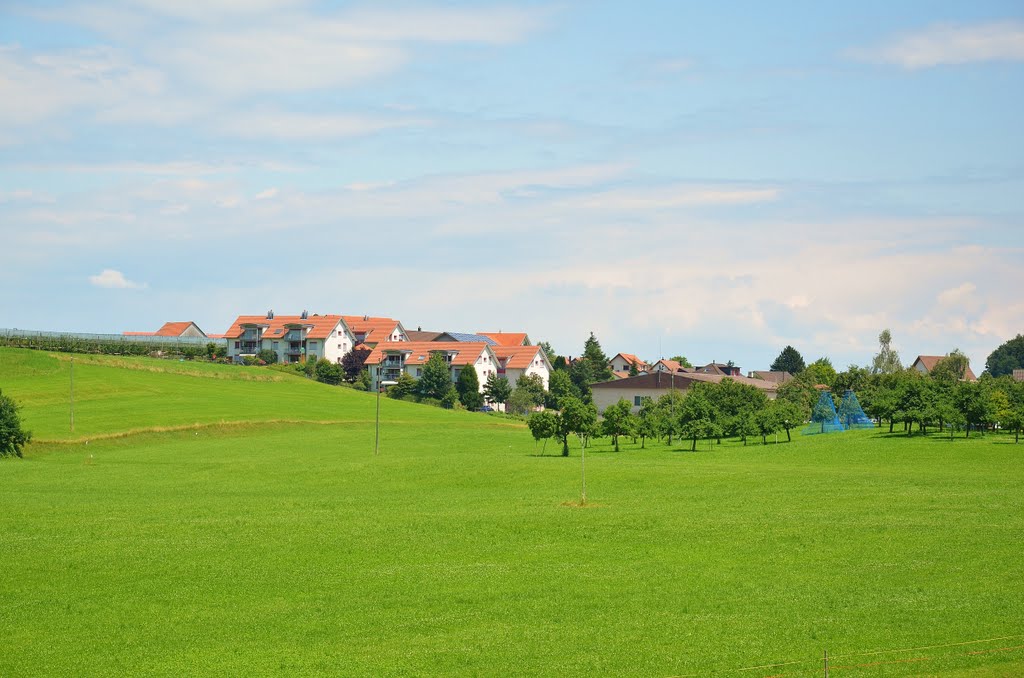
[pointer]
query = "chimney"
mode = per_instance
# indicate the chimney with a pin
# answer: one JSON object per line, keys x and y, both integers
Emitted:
{"x": 305, "y": 314}
{"x": 270, "y": 314}
{"x": 365, "y": 318}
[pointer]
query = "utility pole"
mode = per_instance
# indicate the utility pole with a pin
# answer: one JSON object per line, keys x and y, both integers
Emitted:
{"x": 72, "y": 394}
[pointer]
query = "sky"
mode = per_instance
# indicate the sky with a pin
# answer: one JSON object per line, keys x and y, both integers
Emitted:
{"x": 716, "y": 180}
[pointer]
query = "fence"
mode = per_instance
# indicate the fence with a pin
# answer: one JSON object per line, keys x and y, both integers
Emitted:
{"x": 116, "y": 344}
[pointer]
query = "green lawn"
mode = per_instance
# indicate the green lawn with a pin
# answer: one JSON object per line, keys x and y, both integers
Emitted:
{"x": 286, "y": 547}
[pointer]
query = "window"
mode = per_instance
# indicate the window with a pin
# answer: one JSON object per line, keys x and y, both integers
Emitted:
{"x": 274, "y": 345}
{"x": 636, "y": 400}
{"x": 419, "y": 372}
{"x": 312, "y": 344}
{"x": 238, "y": 345}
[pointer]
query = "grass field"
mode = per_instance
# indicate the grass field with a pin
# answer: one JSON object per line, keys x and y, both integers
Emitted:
{"x": 244, "y": 526}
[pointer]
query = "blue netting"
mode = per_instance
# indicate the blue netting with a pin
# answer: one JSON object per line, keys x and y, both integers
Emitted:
{"x": 850, "y": 413}
{"x": 823, "y": 417}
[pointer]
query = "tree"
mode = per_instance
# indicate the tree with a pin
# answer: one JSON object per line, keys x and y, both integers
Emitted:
{"x": 789, "y": 360}
{"x": 363, "y": 381}
{"x": 669, "y": 406}
{"x": 543, "y": 425}
{"x": 822, "y": 371}
{"x": 352, "y": 363}
{"x": 801, "y": 392}
{"x": 735, "y": 404}
{"x": 596, "y": 360}
{"x": 560, "y": 387}
{"x": 576, "y": 417}
{"x": 468, "y": 387}
{"x": 532, "y": 385}
{"x": 952, "y": 368}
{"x": 767, "y": 422}
{"x": 548, "y": 350}
{"x": 12, "y": 436}
{"x": 328, "y": 372}
{"x": 697, "y": 417}
{"x": 853, "y": 379}
{"x": 649, "y": 421}
{"x": 404, "y": 387}
{"x": 787, "y": 415}
{"x": 887, "y": 360}
{"x": 497, "y": 389}
{"x": 1008, "y": 357}
{"x": 450, "y": 398}
{"x": 973, "y": 400}
{"x": 618, "y": 421}
{"x": 436, "y": 377}
{"x": 681, "y": 360}
{"x": 634, "y": 371}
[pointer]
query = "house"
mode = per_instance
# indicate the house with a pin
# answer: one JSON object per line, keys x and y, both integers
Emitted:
{"x": 725, "y": 370}
{"x": 623, "y": 362}
{"x": 656, "y": 384}
{"x": 174, "y": 329}
{"x": 926, "y": 363}
{"x": 508, "y": 338}
{"x": 515, "y": 361}
{"x": 294, "y": 338}
{"x": 465, "y": 336}
{"x": 371, "y": 330}
{"x": 666, "y": 365}
{"x": 768, "y": 375}
{"x": 388, "y": 360}
{"x": 419, "y": 334}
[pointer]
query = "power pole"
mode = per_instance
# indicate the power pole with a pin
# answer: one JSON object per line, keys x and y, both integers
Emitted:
{"x": 72, "y": 394}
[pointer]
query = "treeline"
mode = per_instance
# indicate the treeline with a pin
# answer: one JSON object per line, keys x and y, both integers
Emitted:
{"x": 705, "y": 411}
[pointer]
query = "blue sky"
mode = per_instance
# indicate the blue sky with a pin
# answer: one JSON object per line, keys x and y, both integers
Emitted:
{"x": 677, "y": 177}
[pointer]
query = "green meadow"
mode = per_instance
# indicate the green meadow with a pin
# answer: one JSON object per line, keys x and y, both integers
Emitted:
{"x": 206, "y": 519}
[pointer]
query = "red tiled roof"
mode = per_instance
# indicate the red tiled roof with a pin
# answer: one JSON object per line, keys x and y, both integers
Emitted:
{"x": 138, "y": 334}
{"x": 659, "y": 380}
{"x": 672, "y": 365}
{"x": 517, "y": 357}
{"x": 632, "y": 359}
{"x": 372, "y": 328}
{"x": 419, "y": 352}
{"x": 506, "y": 338}
{"x": 174, "y": 329}
{"x": 319, "y": 326}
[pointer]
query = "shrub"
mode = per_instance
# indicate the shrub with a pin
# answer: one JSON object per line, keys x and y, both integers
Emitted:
{"x": 363, "y": 383}
{"x": 328, "y": 372}
{"x": 12, "y": 436}
{"x": 268, "y": 356}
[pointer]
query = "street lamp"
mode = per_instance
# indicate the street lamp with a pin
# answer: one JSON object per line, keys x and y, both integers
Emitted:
{"x": 380, "y": 387}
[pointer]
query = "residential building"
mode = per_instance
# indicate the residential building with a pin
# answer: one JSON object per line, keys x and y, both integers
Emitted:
{"x": 419, "y": 334}
{"x": 623, "y": 362}
{"x": 722, "y": 369}
{"x": 465, "y": 336}
{"x": 370, "y": 330}
{"x": 515, "y": 361}
{"x": 174, "y": 329}
{"x": 388, "y": 360}
{"x": 773, "y": 377}
{"x": 508, "y": 338}
{"x": 666, "y": 365}
{"x": 926, "y": 363}
{"x": 657, "y": 384}
{"x": 294, "y": 338}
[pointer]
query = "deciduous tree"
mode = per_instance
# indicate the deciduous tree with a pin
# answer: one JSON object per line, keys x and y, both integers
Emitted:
{"x": 887, "y": 360}
{"x": 1009, "y": 356}
{"x": 12, "y": 436}
{"x": 618, "y": 421}
{"x": 497, "y": 389}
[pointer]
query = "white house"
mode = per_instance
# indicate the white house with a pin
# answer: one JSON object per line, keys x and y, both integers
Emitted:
{"x": 622, "y": 363}
{"x": 294, "y": 338}
{"x": 372, "y": 330}
{"x": 388, "y": 360}
{"x": 515, "y": 361}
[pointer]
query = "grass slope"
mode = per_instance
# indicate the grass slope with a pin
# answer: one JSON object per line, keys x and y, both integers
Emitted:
{"x": 289, "y": 548}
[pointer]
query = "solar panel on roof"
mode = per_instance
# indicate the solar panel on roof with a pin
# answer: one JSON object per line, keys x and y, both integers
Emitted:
{"x": 478, "y": 338}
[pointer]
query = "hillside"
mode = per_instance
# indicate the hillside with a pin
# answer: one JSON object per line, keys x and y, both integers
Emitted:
{"x": 260, "y": 548}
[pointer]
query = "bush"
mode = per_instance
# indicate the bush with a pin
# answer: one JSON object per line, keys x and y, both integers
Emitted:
{"x": 406, "y": 386}
{"x": 268, "y": 356}
{"x": 328, "y": 372}
{"x": 363, "y": 383}
{"x": 12, "y": 436}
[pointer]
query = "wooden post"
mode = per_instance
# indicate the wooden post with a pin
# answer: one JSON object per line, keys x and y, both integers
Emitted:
{"x": 826, "y": 663}
{"x": 583, "y": 469}
{"x": 72, "y": 394}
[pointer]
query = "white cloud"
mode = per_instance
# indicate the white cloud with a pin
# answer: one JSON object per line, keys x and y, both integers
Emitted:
{"x": 111, "y": 279}
{"x": 674, "y": 196}
{"x": 949, "y": 44}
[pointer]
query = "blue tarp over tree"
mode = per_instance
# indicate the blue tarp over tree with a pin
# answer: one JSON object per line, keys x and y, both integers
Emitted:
{"x": 823, "y": 417}
{"x": 851, "y": 415}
